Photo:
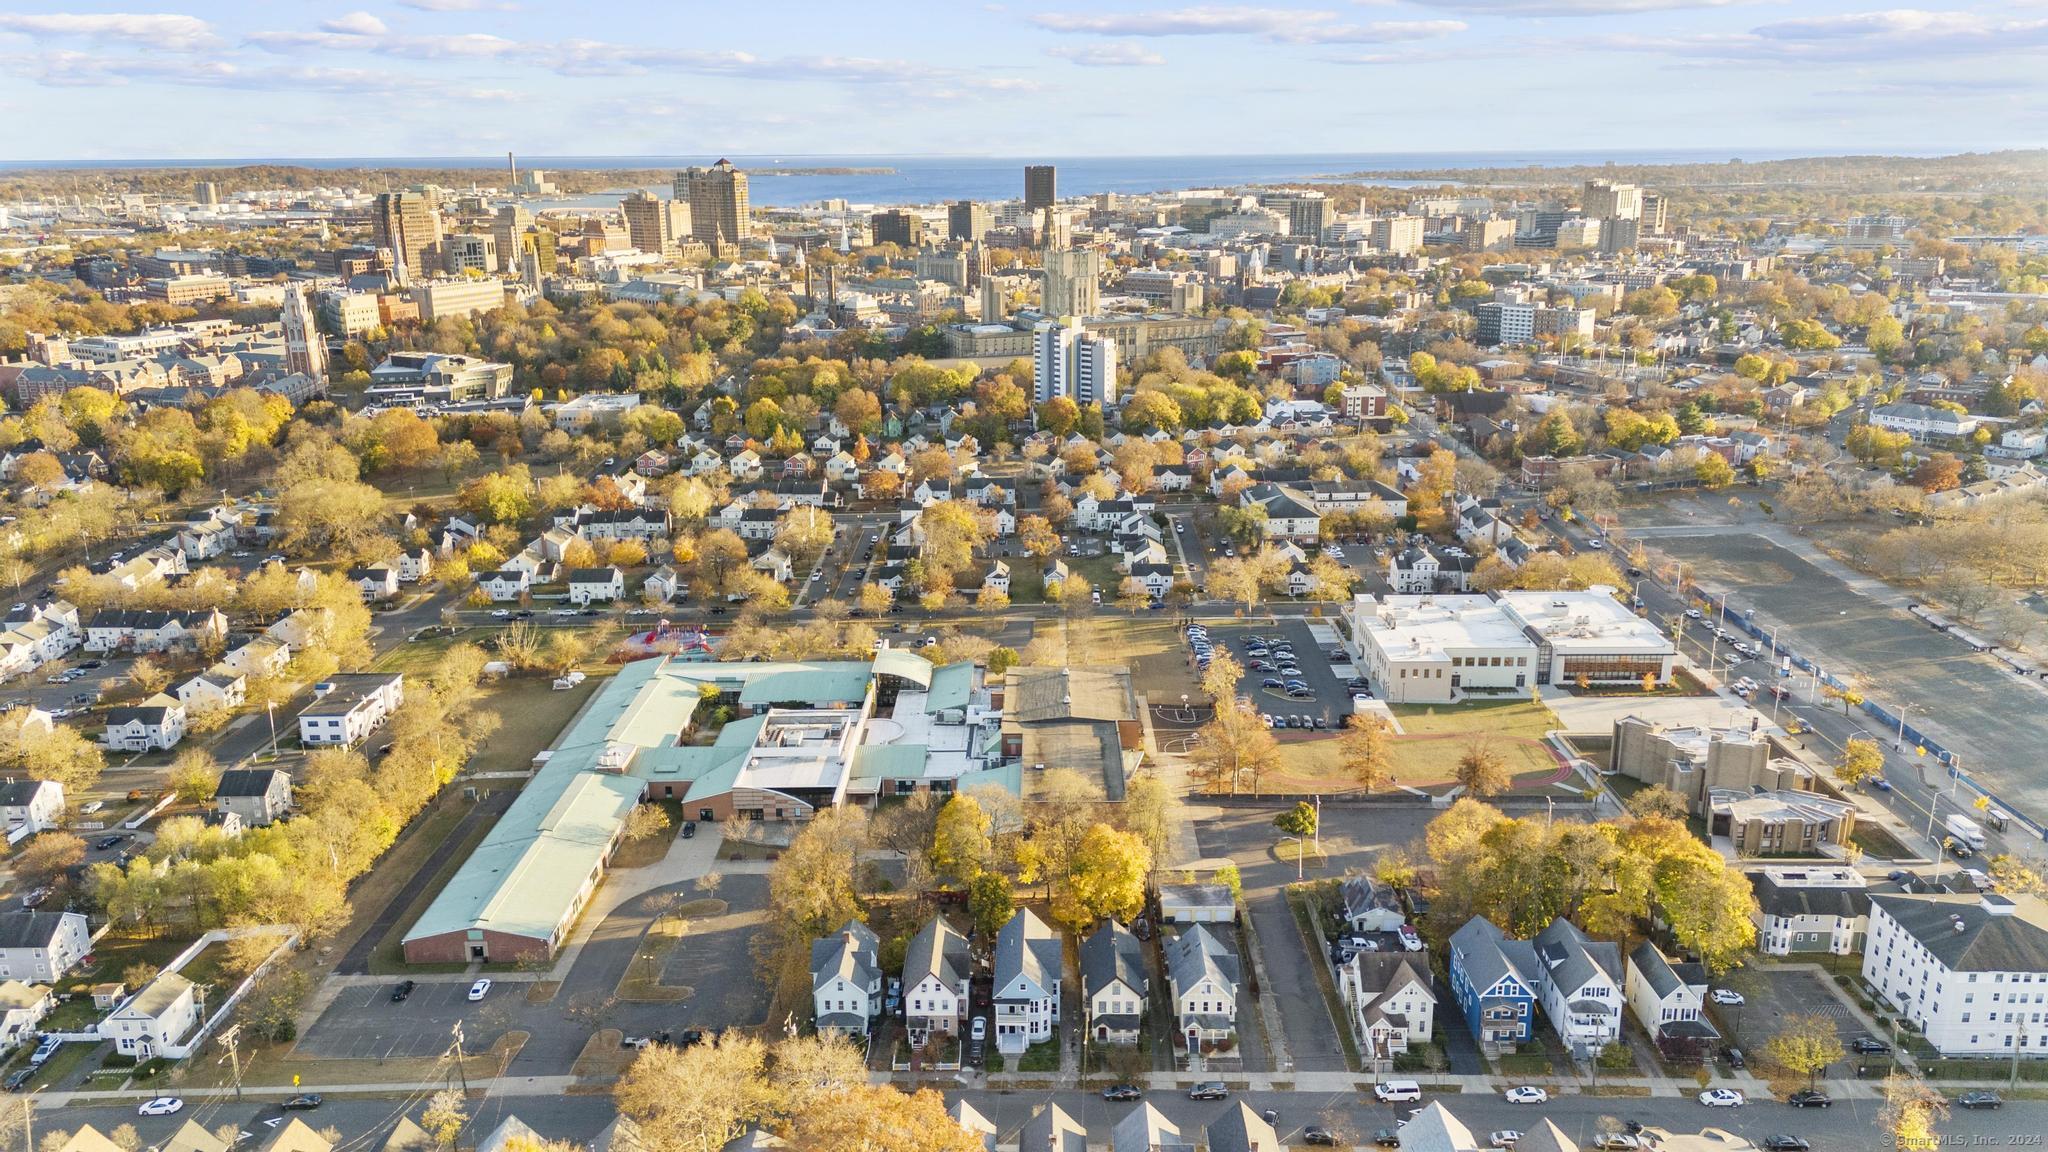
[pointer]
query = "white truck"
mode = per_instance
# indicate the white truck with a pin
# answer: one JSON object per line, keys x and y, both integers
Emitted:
{"x": 1965, "y": 831}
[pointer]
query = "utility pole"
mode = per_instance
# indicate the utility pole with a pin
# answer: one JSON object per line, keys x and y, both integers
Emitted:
{"x": 228, "y": 1040}
{"x": 460, "y": 1068}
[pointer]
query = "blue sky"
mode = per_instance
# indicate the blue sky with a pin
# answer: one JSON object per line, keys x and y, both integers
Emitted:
{"x": 220, "y": 78}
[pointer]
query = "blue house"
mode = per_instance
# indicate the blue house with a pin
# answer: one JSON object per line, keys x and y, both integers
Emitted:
{"x": 1494, "y": 980}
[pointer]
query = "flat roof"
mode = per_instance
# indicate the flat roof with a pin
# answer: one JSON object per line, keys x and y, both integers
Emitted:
{"x": 1589, "y": 620}
{"x": 1429, "y": 628}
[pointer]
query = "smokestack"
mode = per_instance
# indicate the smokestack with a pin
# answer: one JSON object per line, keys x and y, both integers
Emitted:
{"x": 512, "y": 166}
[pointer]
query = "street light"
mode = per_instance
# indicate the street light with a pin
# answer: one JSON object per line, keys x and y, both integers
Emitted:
{"x": 1300, "y": 853}
{"x": 270, "y": 710}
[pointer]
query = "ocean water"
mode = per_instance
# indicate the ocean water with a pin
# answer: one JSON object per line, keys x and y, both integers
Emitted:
{"x": 933, "y": 179}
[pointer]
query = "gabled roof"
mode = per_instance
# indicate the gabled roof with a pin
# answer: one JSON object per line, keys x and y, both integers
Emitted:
{"x": 1026, "y": 949}
{"x": 28, "y": 929}
{"x": 1968, "y": 933}
{"x": 1146, "y": 1129}
{"x": 1656, "y": 970}
{"x": 1109, "y": 955}
{"x": 1574, "y": 959}
{"x": 1489, "y": 956}
{"x": 938, "y": 950}
{"x": 1050, "y": 1129}
{"x": 1240, "y": 1129}
{"x": 847, "y": 954}
{"x": 248, "y": 782}
{"x": 1196, "y": 955}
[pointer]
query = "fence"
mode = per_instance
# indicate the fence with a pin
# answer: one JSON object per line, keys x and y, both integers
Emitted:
{"x": 1951, "y": 764}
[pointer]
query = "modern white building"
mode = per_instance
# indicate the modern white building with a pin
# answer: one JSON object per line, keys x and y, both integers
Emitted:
{"x": 1068, "y": 360}
{"x": 1969, "y": 971}
{"x": 1589, "y": 634}
{"x": 157, "y": 1018}
{"x": 1437, "y": 649}
{"x": 346, "y": 708}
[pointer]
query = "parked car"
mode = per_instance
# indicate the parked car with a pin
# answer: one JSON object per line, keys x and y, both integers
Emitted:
{"x": 1977, "y": 1099}
{"x": 161, "y": 1106}
{"x": 1734, "y": 1057}
{"x": 1727, "y": 996}
{"x": 1122, "y": 1092}
{"x": 1784, "y": 1143}
{"x": 1616, "y": 1142}
{"x": 1527, "y": 1095}
{"x": 480, "y": 989}
{"x": 1869, "y": 1046}
{"x": 1721, "y": 1098}
{"x": 305, "y": 1102}
{"x": 106, "y": 842}
{"x": 1387, "y": 1138}
{"x": 1504, "y": 1138}
{"x": 17, "y": 1078}
{"x": 979, "y": 1029}
{"x": 1317, "y": 1135}
{"x": 404, "y": 989}
{"x": 1809, "y": 1098}
{"x": 689, "y": 829}
{"x": 44, "y": 1051}
{"x": 1208, "y": 1090}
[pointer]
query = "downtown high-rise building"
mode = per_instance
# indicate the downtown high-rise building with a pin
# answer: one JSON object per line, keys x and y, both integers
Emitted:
{"x": 305, "y": 350}
{"x": 654, "y": 225}
{"x": 509, "y": 228}
{"x": 1306, "y": 211}
{"x": 1041, "y": 187}
{"x": 1607, "y": 200}
{"x": 968, "y": 221}
{"x": 409, "y": 224}
{"x": 1068, "y": 360}
{"x": 717, "y": 197}
{"x": 896, "y": 226}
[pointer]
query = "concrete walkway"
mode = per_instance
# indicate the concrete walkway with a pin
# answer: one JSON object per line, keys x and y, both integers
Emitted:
{"x": 685, "y": 861}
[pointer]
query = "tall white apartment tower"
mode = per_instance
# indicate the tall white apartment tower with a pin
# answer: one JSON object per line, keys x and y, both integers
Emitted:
{"x": 1068, "y": 360}
{"x": 305, "y": 350}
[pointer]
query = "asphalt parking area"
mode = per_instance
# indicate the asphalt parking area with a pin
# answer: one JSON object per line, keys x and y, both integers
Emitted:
{"x": 1332, "y": 701}
{"x": 363, "y": 1024}
{"x": 1772, "y": 994}
{"x": 715, "y": 958}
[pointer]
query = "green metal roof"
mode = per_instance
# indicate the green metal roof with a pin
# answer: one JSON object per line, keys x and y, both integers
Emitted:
{"x": 813, "y": 683}
{"x": 889, "y": 762}
{"x": 952, "y": 686}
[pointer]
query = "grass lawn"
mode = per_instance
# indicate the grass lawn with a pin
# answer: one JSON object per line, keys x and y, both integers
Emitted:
{"x": 1148, "y": 643}
{"x": 641, "y": 853}
{"x": 642, "y": 981}
{"x": 1027, "y": 580}
{"x": 115, "y": 954}
{"x": 1043, "y": 1057}
{"x": 421, "y": 655}
{"x": 1878, "y": 843}
{"x": 1494, "y": 717}
{"x": 1426, "y": 762}
{"x": 530, "y": 715}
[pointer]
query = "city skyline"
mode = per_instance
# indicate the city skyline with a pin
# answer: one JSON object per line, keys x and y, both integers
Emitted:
{"x": 469, "y": 77}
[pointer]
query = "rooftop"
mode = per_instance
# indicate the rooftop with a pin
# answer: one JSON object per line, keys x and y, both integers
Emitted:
{"x": 1429, "y": 628}
{"x": 1579, "y": 620}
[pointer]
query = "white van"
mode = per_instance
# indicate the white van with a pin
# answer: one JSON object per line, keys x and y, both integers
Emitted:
{"x": 1397, "y": 1091}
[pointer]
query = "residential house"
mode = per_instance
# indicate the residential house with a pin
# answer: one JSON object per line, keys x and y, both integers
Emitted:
{"x": 972, "y": 1122}
{"x": 22, "y": 1007}
{"x": 1113, "y": 983}
{"x": 596, "y": 585}
{"x": 205, "y": 539}
{"x": 1811, "y": 908}
{"x": 41, "y": 946}
{"x": 1422, "y": 570}
{"x": 1240, "y": 1129}
{"x": 936, "y": 970}
{"x": 1028, "y": 963}
{"x": 1146, "y": 1129}
{"x": 30, "y": 806}
{"x": 414, "y": 566}
{"x": 1050, "y": 1129}
{"x": 347, "y": 707}
{"x": 261, "y": 656}
{"x": 156, "y": 723}
{"x": 1669, "y": 1001}
{"x": 1371, "y": 906}
{"x": 663, "y": 584}
{"x": 846, "y": 981}
{"x": 377, "y": 584}
{"x": 745, "y": 465}
{"x": 506, "y": 585}
{"x": 259, "y": 796}
{"x": 1154, "y": 580}
{"x": 1389, "y": 1002}
{"x": 152, "y": 630}
{"x": 1203, "y": 974}
{"x": 154, "y": 1020}
{"x": 299, "y": 628}
{"x": 1493, "y": 979}
{"x": 218, "y": 687}
{"x": 640, "y": 524}
{"x": 1579, "y": 980}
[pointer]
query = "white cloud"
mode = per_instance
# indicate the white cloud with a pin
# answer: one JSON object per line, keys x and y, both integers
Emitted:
{"x": 1571, "y": 7}
{"x": 1279, "y": 25}
{"x": 165, "y": 31}
{"x": 356, "y": 24}
{"x": 458, "y": 5}
{"x": 1902, "y": 34}
{"x": 1107, "y": 55}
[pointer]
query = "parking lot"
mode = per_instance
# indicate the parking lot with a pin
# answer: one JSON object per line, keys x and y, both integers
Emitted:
{"x": 1331, "y": 700}
{"x": 715, "y": 960}
{"x": 35, "y": 687}
{"x": 363, "y": 1023}
{"x": 1770, "y": 995}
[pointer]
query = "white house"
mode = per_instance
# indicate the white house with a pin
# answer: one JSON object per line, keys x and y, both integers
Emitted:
{"x": 1370, "y": 906}
{"x": 155, "y": 1019}
{"x": 151, "y": 630}
{"x": 1669, "y": 1003}
{"x": 22, "y": 1007}
{"x": 1923, "y": 421}
{"x": 218, "y": 687}
{"x": 1579, "y": 981}
{"x": 846, "y": 981}
{"x": 376, "y": 584}
{"x": 1027, "y": 982}
{"x": 156, "y": 723}
{"x": 1969, "y": 972}
{"x": 1388, "y": 1001}
{"x": 1203, "y": 974}
{"x": 41, "y": 946}
{"x": 346, "y": 708}
{"x": 663, "y": 584}
{"x": 33, "y": 805}
{"x": 596, "y": 585}
{"x": 415, "y": 566}
{"x": 1114, "y": 984}
{"x": 261, "y": 656}
{"x": 936, "y": 969}
{"x": 505, "y": 585}
{"x": 744, "y": 465}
